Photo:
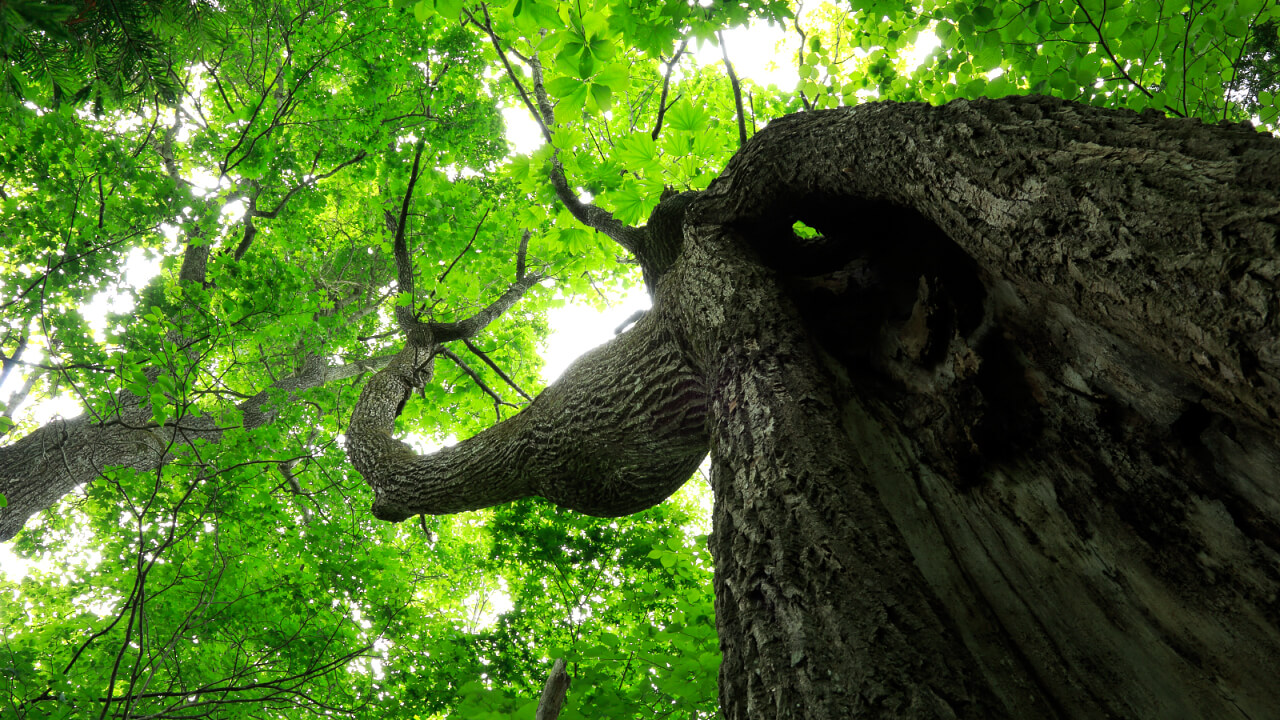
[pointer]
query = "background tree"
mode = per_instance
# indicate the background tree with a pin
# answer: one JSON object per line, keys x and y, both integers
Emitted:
{"x": 331, "y": 189}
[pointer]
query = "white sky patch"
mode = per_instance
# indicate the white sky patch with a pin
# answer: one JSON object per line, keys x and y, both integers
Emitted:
{"x": 762, "y": 52}
{"x": 926, "y": 42}
{"x": 575, "y": 329}
{"x": 523, "y": 134}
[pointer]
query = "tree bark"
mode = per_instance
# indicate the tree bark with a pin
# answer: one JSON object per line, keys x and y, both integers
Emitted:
{"x": 1001, "y": 443}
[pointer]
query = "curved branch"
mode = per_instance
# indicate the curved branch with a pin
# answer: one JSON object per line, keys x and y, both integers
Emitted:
{"x": 588, "y": 214}
{"x": 737, "y": 91}
{"x": 619, "y": 432}
{"x": 666, "y": 86}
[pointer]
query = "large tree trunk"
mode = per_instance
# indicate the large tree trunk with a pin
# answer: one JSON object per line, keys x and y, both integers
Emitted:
{"x": 1001, "y": 443}
{"x": 1047, "y": 373}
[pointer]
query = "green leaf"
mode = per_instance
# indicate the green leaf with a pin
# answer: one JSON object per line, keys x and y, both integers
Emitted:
{"x": 630, "y": 206}
{"x": 422, "y": 11}
{"x": 450, "y": 8}
{"x": 685, "y": 117}
{"x": 586, "y": 65}
{"x": 637, "y": 150}
{"x": 569, "y": 109}
{"x": 563, "y": 86}
{"x": 601, "y": 96}
{"x": 616, "y": 77}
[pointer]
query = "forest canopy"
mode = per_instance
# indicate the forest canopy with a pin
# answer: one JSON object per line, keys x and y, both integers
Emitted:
{"x": 308, "y": 178}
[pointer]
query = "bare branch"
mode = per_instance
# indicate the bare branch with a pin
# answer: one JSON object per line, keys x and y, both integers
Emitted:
{"x": 521, "y": 253}
{"x": 737, "y": 91}
{"x": 444, "y": 332}
{"x": 588, "y": 214}
{"x": 666, "y": 85}
{"x": 498, "y": 402}
{"x": 538, "y": 117}
{"x": 470, "y": 242}
{"x": 494, "y": 366}
{"x": 632, "y": 320}
{"x": 800, "y": 53}
{"x": 404, "y": 264}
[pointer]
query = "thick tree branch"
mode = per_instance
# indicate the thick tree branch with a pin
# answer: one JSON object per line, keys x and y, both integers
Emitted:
{"x": 404, "y": 264}
{"x": 469, "y": 328}
{"x": 632, "y": 461}
{"x": 553, "y": 692}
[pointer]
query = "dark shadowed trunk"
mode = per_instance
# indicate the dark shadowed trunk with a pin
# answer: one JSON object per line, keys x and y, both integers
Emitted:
{"x": 1054, "y": 348}
{"x": 1001, "y": 442}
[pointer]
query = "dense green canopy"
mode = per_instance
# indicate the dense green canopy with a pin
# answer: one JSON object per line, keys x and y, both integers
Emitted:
{"x": 212, "y": 553}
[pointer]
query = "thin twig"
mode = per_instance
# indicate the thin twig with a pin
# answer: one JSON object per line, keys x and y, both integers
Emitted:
{"x": 498, "y": 402}
{"x": 494, "y": 366}
{"x": 666, "y": 85}
{"x": 470, "y": 242}
{"x": 737, "y": 90}
{"x": 800, "y": 53}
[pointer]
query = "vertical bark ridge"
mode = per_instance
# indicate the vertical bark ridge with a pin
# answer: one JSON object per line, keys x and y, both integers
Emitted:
{"x": 1084, "y": 481}
{"x": 822, "y": 613}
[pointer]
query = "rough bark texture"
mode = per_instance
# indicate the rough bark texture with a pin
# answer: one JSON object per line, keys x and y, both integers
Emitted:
{"x": 553, "y": 692}
{"x": 601, "y": 463}
{"x": 1060, "y": 375}
{"x": 1001, "y": 443}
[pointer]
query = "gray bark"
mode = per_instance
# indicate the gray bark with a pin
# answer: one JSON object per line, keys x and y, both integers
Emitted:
{"x": 553, "y": 692}
{"x": 1003, "y": 443}
{"x": 1078, "y": 450}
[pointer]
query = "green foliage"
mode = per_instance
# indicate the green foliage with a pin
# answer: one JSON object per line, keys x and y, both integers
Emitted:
{"x": 1212, "y": 60}
{"x": 246, "y": 572}
{"x": 112, "y": 50}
